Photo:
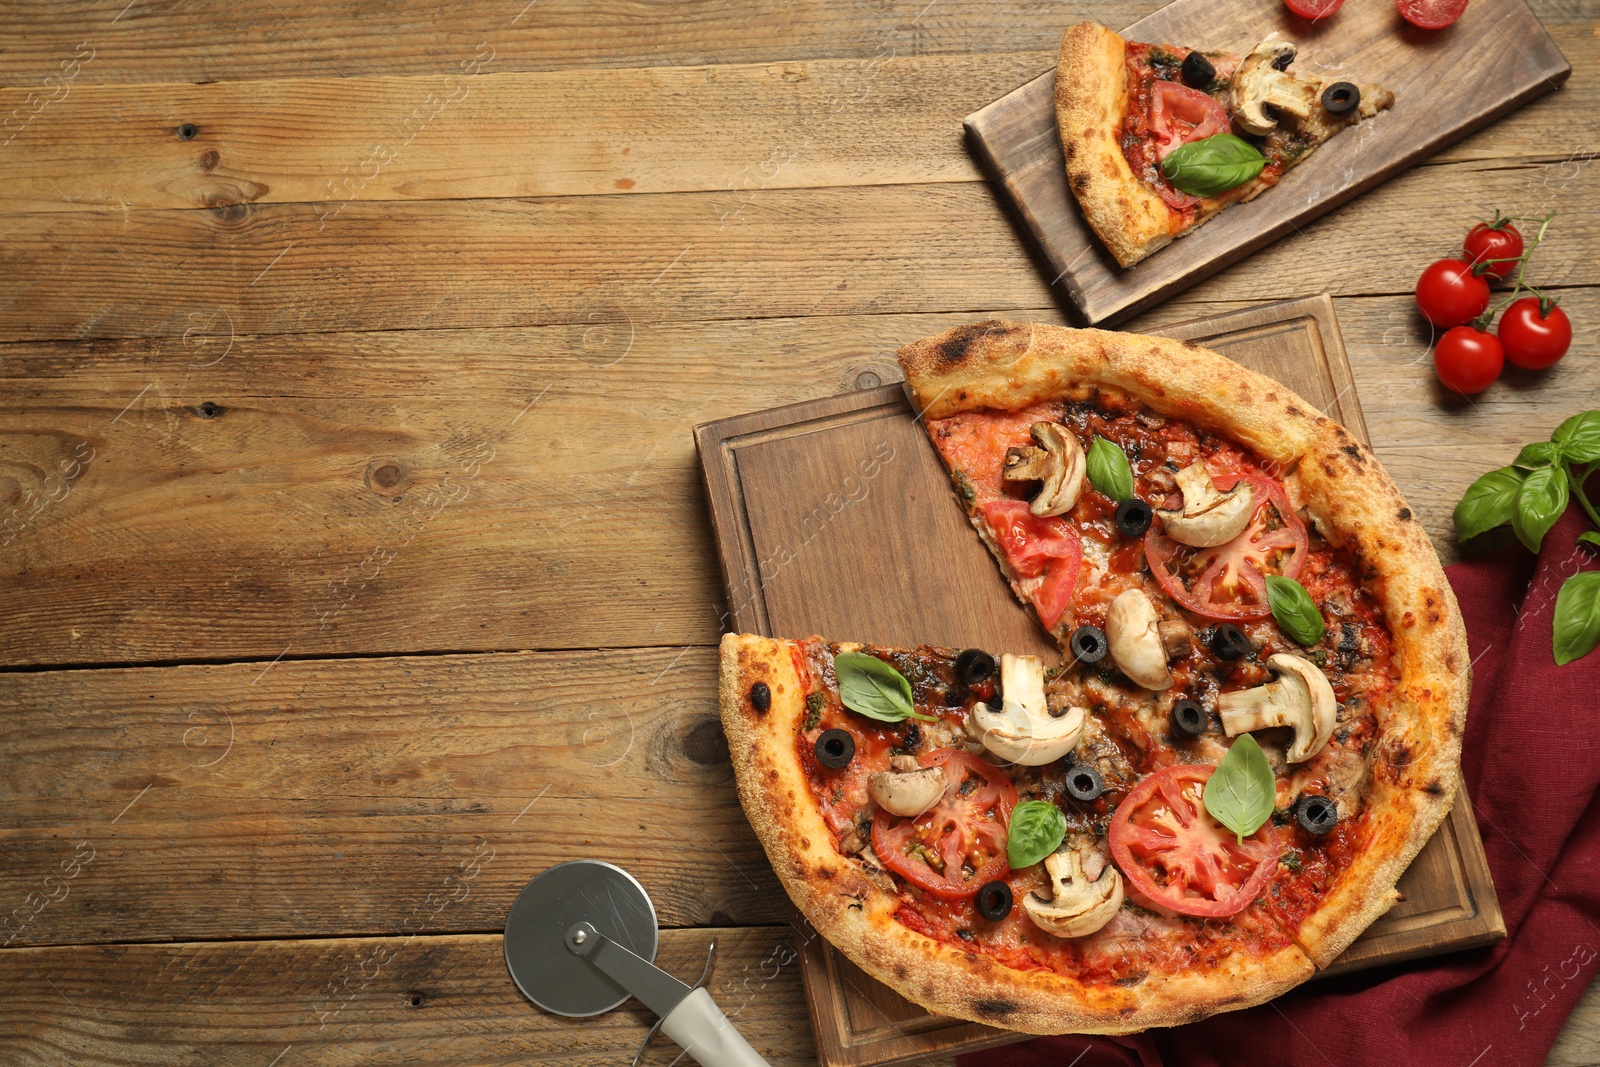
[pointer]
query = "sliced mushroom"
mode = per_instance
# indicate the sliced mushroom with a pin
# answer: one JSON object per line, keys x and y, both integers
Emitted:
{"x": 1261, "y": 86}
{"x": 907, "y": 793}
{"x": 1079, "y": 905}
{"x": 1133, "y": 632}
{"x": 1177, "y": 637}
{"x": 1208, "y": 517}
{"x": 1300, "y": 698}
{"x": 1023, "y": 730}
{"x": 1057, "y": 462}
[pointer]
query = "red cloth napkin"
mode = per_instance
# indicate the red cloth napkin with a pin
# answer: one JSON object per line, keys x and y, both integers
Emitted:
{"x": 1532, "y": 760}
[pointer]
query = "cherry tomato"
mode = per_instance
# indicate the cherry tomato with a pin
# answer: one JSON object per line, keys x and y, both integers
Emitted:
{"x": 1448, "y": 293}
{"x": 1313, "y": 9}
{"x": 1431, "y": 14}
{"x": 1468, "y": 360}
{"x": 1486, "y": 242}
{"x": 1176, "y": 857}
{"x": 958, "y": 845}
{"x": 1533, "y": 340}
{"x": 1034, "y": 548}
{"x": 1229, "y": 581}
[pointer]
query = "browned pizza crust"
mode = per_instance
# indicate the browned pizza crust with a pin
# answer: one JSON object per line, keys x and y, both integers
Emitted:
{"x": 1007, "y": 365}
{"x": 858, "y": 918}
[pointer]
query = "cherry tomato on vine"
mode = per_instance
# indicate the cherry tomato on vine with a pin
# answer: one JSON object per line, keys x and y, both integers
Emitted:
{"x": 1448, "y": 293}
{"x": 1431, "y": 14}
{"x": 1313, "y": 9}
{"x": 1487, "y": 241}
{"x": 1533, "y": 337}
{"x": 1468, "y": 360}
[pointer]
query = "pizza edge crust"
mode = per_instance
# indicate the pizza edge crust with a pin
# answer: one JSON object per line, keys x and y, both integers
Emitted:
{"x": 1415, "y": 767}
{"x": 1091, "y": 96}
{"x": 858, "y": 919}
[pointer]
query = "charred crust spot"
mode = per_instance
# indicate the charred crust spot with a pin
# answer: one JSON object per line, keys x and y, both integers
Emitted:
{"x": 1353, "y": 451}
{"x": 1072, "y": 150}
{"x": 1080, "y": 183}
{"x": 900, "y": 971}
{"x": 955, "y": 347}
{"x": 1400, "y": 754}
{"x": 1191, "y": 346}
{"x": 805, "y": 842}
{"x": 1404, "y": 513}
{"x": 1434, "y": 788}
{"x": 826, "y": 873}
{"x": 1330, "y": 467}
{"x": 1294, "y": 409}
{"x": 994, "y": 1007}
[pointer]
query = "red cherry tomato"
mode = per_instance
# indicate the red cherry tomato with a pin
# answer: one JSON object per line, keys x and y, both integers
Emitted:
{"x": 1313, "y": 9}
{"x": 1468, "y": 360}
{"x": 1485, "y": 242}
{"x": 1532, "y": 340}
{"x": 1177, "y": 857}
{"x": 1229, "y": 581}
{"x": 959, "y": 844}
{"x": 1431, "y": 14}
{"x": 1448, "y": 293}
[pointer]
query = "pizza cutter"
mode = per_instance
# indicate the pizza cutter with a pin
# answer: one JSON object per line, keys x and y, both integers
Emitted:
{"x": 581, "y": 939}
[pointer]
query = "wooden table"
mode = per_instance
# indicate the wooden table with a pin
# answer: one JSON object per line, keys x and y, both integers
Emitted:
{"x": 355, "y": 564}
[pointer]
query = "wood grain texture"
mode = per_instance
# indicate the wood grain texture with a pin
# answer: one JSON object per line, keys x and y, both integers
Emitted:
{"x": 446, "y": 1001}
{"x": 262, "y": 523}
{"x": 1471, "y": 69}
{"x": 322, "y": 798}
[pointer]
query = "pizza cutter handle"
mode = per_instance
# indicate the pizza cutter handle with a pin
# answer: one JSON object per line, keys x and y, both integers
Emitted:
{"x": 706, "y": 1034}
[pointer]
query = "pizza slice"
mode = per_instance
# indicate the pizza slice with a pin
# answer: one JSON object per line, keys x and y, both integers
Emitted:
{"x": 1159, "y": 138}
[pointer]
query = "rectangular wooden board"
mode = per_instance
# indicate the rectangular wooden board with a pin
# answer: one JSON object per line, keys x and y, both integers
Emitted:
{"x": 836, "y": 517}
{"x": 1446, "y": 83}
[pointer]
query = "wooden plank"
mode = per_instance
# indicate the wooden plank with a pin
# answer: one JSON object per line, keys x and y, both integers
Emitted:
{"x": 832, "y": 474}
{"x": 741, "y": 129}
{"x": 738, "y": 128}
{"x": 267, "y": 526}
{"x": 156, "y": 42}
{"x": 442, "y": 1000}
{"x": 1476, "y": 71}
{"x": 674, "y": 257}
{"x": 322, "y": 798}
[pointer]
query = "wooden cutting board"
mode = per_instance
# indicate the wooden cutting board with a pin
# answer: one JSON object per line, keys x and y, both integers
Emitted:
{"x": 1446, "y": 83}
{"x": 836, "y": 517}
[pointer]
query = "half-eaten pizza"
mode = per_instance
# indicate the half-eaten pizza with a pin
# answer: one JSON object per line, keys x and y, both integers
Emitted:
{"x": 1254, "y": 727}
{"x": 1159, "y": 138}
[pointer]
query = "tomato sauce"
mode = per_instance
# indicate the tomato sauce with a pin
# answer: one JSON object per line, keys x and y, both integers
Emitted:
{"x": 1356, "y": 652}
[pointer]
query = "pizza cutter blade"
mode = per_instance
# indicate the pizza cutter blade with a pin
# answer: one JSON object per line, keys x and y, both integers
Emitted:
{"x": 581, "y": 939}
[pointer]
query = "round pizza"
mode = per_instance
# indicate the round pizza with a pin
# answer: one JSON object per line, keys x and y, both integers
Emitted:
{"x": 1254, "y": 726}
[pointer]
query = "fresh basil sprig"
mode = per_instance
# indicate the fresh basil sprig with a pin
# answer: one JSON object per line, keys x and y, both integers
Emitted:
{"x": 1037, "y": 829}
{"x": 1109, "y": 470}
{"x": 1294, "y": 609}
{"x": 1212, "y": 165}
{"x": 1530, "y": 496}
{"x": 1241, "y": 792}
{"x": 868, "y": 686}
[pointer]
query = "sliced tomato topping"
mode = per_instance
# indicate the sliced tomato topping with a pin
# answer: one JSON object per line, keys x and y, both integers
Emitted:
{"x": 958, "y": 845}
{"x": 1054, "y": 594}
{"x": 1179, "y": 114}
{"x": 1176, "y": 857}
{"x": 1229, "y": 581}
{"x": 1034, "y": 546}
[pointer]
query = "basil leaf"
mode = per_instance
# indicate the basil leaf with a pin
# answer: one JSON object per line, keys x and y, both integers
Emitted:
{"x": 1294, "y": 609}
{"x": 1212, "y": 165}
{"x": 1241, "y": 792}
{"x": 1579, "y": 437}
{"x": 1589, "y": 537}
{"x": 1577, "y": 619}
{"x": 1037, "y": 828}
{"x": 1109, "y": 470}
{"x": 1488, "y": 503}
{"x": 1540, "y": 502}
{"x": 1538, "y": 454}
{"x": 868, "y": 686}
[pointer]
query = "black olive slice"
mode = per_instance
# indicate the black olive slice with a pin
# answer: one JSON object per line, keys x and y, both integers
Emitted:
{"x": 1197, "y": 72}
{"x": 994, "y": 901}
{"x": 1084, "y": 782}
{"x": 1229, "y": 642}
{"x": 1133, "y": 517}
{"x": 1341, "y": 98}
{"x": 835, "y": 748}
{"x": 974, "y": 666}
{"x": 1189, "y": 718}
{"x": 760, "y": 696}
{"x": 1088, "y": 644}
{"x": 1315, "y": 814}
